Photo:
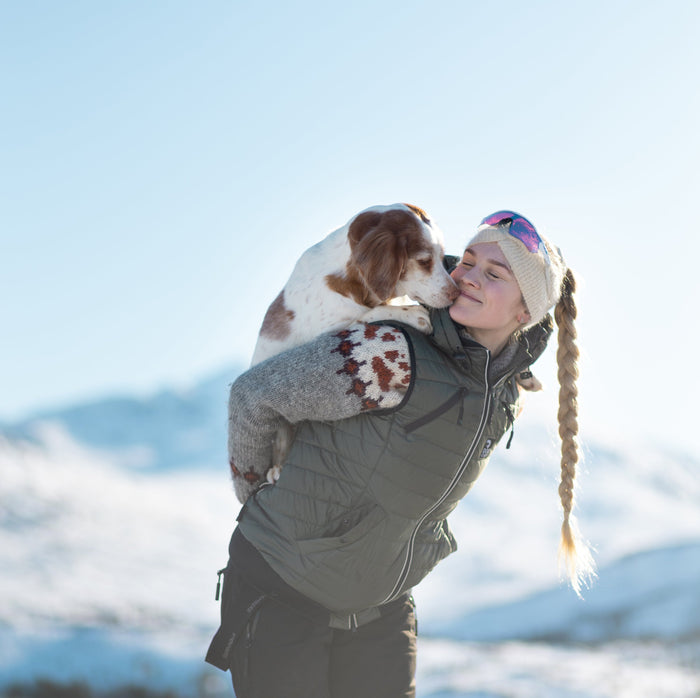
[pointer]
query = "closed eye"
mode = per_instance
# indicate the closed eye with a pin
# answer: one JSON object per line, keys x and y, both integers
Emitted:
{"x": 491, "y": 274}
{"x": 425, "y": 263}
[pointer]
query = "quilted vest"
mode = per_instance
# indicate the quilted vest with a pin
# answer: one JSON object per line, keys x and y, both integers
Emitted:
{"x": 358, "y": 515}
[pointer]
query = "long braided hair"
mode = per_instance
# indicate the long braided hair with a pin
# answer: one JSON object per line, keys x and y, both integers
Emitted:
{"x": 575, "y": 555}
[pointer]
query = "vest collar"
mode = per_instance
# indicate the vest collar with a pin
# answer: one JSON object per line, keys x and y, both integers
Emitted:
{"x": 445, "y": 334}
{"x": 531, "y": 343}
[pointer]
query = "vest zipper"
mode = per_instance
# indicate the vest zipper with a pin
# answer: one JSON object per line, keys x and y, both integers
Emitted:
{"x": 483, "y": 421}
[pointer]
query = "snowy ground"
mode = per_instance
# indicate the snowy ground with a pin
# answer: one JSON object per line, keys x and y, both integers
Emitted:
{"x": 447, "y": 668}
{"x": 533, "y": 670}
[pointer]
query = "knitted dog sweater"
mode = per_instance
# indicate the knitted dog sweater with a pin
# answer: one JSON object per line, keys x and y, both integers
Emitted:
{"x": 335, "y": 376}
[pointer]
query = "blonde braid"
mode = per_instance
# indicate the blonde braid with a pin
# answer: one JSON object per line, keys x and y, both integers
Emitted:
{"x": 575, "y": 554}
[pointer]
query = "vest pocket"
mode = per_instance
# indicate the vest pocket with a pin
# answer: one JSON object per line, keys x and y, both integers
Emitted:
{"x": 346, "y": 535}
{"x": 454, "y": 399}
{"x": 352, "y": 571}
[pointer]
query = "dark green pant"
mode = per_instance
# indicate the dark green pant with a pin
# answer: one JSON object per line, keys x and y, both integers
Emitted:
{"x": 282, "y": 653}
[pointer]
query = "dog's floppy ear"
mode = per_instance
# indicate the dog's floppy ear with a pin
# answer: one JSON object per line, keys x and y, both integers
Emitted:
{"x": 379, "y": 248}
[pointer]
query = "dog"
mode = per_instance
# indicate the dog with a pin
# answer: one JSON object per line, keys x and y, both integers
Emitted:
{"x": 369, "y": 269}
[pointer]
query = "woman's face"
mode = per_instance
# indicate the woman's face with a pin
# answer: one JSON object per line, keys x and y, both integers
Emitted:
{"x": 490, "y": 303}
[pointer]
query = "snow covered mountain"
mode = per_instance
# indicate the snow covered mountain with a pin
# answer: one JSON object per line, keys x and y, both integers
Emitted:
{"x": 115, "y": 516}
{"x": 173, "y": 429}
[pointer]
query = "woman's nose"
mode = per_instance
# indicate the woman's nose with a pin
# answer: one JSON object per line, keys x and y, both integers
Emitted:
{"x": 469, "y": 276}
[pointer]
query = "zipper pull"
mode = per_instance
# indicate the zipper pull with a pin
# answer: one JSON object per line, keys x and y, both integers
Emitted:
{"x": 511, "y": 423}
{"x": 218, "y": 583}
{"x": 462, "y": 394}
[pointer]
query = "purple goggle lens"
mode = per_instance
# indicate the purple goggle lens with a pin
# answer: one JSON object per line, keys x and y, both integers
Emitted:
{"x": 520, "y": 228}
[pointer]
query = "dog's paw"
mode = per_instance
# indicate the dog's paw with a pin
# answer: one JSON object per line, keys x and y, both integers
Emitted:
{"x": 414, "y": 315}
{"x": 273, "y": 474}
{"x": 419, "y": 317}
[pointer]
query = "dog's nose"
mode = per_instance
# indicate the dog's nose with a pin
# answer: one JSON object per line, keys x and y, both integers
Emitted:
{"x": 452, "y": 291}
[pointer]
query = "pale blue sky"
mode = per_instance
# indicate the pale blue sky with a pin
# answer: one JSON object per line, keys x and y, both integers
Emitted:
{"x": 164, "y": 163}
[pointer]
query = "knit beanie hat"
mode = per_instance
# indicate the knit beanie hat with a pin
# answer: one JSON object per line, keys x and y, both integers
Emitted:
{"x": 539, "y": 275}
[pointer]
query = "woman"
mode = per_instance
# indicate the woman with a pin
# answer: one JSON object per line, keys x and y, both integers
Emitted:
{"x": 393, "y": 428}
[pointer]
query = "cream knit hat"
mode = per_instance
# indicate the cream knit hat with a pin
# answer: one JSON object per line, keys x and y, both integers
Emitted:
{"x": 539, "y": 277}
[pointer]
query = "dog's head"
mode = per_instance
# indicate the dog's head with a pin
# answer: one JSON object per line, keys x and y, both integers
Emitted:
{"x": 397, "y": 250}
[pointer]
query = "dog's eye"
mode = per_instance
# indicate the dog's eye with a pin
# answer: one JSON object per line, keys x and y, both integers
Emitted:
{"x": 425, "y": 262}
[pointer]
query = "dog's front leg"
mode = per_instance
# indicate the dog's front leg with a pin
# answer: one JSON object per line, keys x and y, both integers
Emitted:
{"x": 414, "y": 315}
{"x": 280, "y": 450}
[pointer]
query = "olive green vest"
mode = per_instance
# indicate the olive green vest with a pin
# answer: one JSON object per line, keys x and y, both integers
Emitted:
{"x": 358, "y": 514}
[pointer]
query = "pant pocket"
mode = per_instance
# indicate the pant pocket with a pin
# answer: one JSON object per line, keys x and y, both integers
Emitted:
{"x": 240, "y": 602}
{"x": 240, "y": 657}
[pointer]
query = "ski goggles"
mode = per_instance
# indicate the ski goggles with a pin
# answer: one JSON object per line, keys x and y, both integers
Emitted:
{"x": 521, "y": 229}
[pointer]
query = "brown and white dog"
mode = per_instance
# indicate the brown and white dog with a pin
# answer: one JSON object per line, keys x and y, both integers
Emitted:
{"x": 369, "y": 269}
{"x": 361, "y": 271}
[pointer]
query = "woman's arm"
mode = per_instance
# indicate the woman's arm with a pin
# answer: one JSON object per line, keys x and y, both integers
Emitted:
{"x": 335, "y": 376}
